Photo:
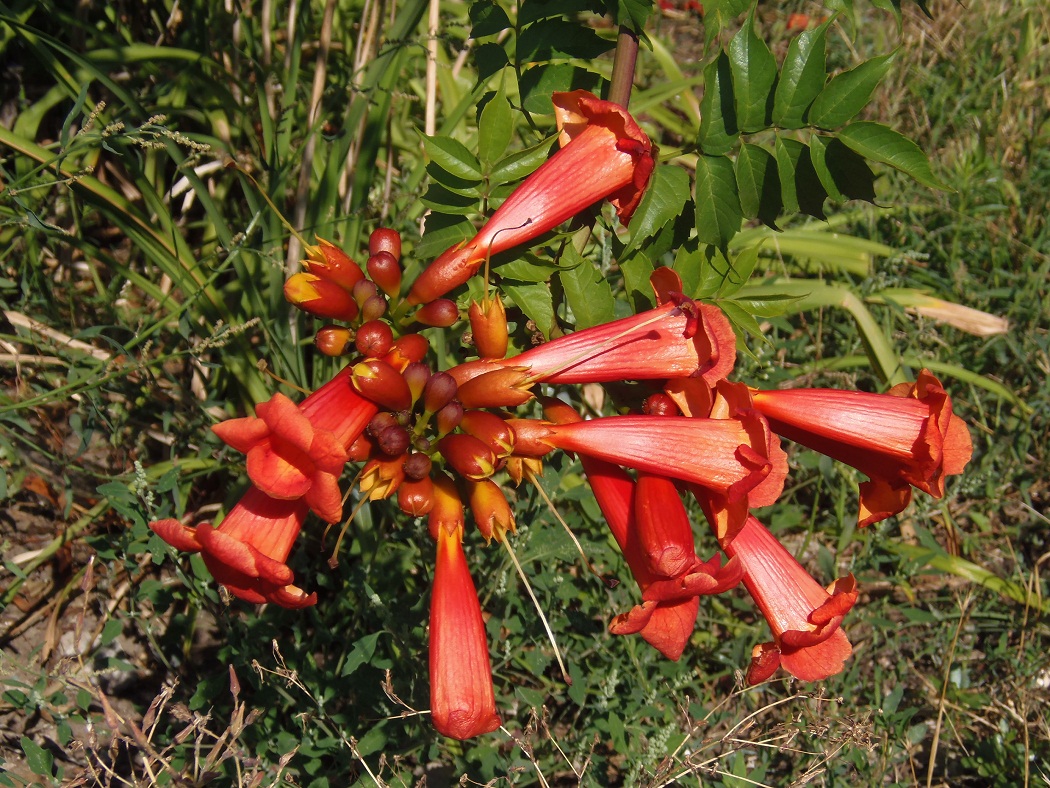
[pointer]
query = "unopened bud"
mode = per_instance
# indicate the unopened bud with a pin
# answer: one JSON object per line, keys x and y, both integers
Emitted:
{"x": 439, "y": 391}
{"x": 406, "y": 349}
{"x": 383, "y": 420}
{"x": 416, "y": 375}
{"x": 394, "y": 441}
{"x": 468, "y": 456}
{"x": 378, "y": 381}
{"x": 660, "y": 405}
{"x": 385, "y": 271}
{"x": 383, "y": 239}
{"x": 374, "y": 339}
{"x": 490, "y": 429}
{"x": 491, "y": 511}
{"x": 417, "y": 466}
{"x": 328, "y": 261}
{"x": 333, "y": 340}
{"x": 373, "y": 308}
{"x": 447, "y": 514}
{"x": 363, "y": 290}
{"x": 441, "y": 313}
{"x": 361, "y": 449}
{"x": 319, "y": 297}
{"x": 449, "y": 417}
{"x": 489, "y": 327}
{"x": 500, "y": 388}
{"x": 415, "y": 497}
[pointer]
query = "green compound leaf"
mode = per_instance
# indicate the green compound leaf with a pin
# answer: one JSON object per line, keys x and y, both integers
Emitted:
{"x": 453, "y": 157}
{"x": 718, "y": 214}
{"x": 758, "y": 184}
{"x": 535, "y": 301}
{"x": 801, "y": 77}
{"x": 718, "y": 126}
{"x": 587, "y": 292}
{"x": 664, "y": 201}
{"x": 754, "y": 71}
{"x": 495, "y": 128}
{"x": 848, "y": 93}
{"x": 843, "y": 174}
{"x": 882, "y": 144}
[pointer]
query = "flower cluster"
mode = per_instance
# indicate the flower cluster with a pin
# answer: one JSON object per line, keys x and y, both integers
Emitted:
{"x": 442, "y": 442}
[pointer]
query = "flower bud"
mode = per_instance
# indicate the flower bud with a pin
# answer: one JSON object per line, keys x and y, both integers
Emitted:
{"x": 383, "y": 239}
{"x": 385, "y": 272}
{"x": 416, "y": 375}
{"x": 491, "y": 430}
{"x": 363, "y": 290}
{"x": 380, "y": 478}
{"x": 441, "y": 313}
{"x": 406, "y": 349}
{"x": 333, "y": 340}
{"x": 488, "y": 324}
{"x": 438, "y": 392}
{"x": 500, "y": 388}
{"x": 373, "y": 308}
{"x": 378, "y": 381}
{"x": 660, "y": 405}
{"x": 383, "y": 420}
{"x": 449, "y": 417}
{"x": 361, "y": 449}
{"x": 468, "y": 456}
{"x": 319, "y": 297}
{"x": 374, "y": 339}
{"x": 417, "y": 466}
{"x": 491, "y": 511}
{"x": 415, "y": 497}
{"x": 329, "y": 262}
{"x": 394, "y": 441}
{"x": 447, "y": 514}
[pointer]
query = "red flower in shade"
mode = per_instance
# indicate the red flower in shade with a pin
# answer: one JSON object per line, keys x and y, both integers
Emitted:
{"x": 604, "y": 155}
{"x": 666, "y": 617}
{"x": 675, "y": 340}
{"x": 299, "y": 451}
{"x": 808, "y": 641}
{"x": 247, "y": 552}
{"x": 462, "y": 698}
{"x": 905, "y": 438}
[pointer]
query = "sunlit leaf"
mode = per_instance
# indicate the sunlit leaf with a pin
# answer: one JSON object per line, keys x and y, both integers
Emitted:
{"x": 663, "y": 201}
{"x": 718, "y": 126}
{"x": 881, "y": 143}
{"x": 847, "y": 93}
{"x": 587, "y": 291}
{"x": 801, "y": 78}
{"x": 754, "y": 71}
{"x": 718, "y": 214}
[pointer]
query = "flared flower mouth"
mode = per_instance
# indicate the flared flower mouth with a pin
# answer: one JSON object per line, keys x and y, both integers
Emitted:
{"x": 805, "y": 618}
{"x": 908, "y": 437}
{"x": 248, "y": 551}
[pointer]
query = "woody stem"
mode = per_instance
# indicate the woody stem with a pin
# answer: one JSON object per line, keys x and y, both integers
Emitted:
{"x": 623, "y": 66}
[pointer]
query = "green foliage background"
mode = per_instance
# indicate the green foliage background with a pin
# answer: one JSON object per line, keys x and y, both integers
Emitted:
{"x": 148, "y": 152}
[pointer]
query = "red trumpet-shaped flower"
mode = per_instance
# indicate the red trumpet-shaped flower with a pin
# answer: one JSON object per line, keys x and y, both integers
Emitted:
{"x": 675, "y": 340}
{"x": 808, "y": 641}
{"x": 604, "y": 155}
{"x": 728, "y": 457}
{"x": 905, "y": 438}
{"x": 462, "y": 698}
{"x": 666, "y": 617}
{"x": 248, "y": 551}
{"x": 299, "y": 451}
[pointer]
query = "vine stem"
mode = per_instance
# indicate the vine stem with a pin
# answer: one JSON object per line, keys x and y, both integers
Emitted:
{"x": 623, "y": 66}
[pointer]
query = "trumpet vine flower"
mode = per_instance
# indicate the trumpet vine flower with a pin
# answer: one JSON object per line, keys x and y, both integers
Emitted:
{"x": 603, "y": 155}
{"x": 462, "y": 698}
{"x": 248, "y": 551}
{"x": 808, "y": 641}
{"x": 905, "y": 438}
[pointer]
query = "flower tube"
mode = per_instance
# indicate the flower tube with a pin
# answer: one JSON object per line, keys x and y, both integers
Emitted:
{"x": 808, "y": 641}
{"x": 676, "y": 340}
{"x": 462, "y": 698}
{"x": 248, "y": 551}
{"x": 905, "y": 438}
{"x": 604, "y": 155}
